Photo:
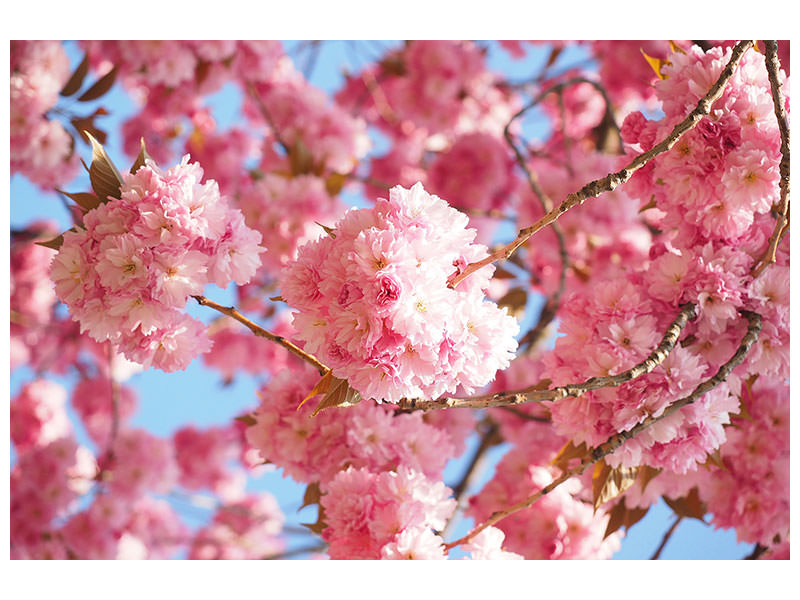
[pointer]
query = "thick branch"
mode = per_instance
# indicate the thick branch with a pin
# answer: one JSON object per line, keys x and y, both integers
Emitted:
{"x": 782, "y": 219}
{"x": 615, "y": 441}
{"x": 260, "y": 331}
{"x": 612, "y": 180}
{"x": 655, "y": 358}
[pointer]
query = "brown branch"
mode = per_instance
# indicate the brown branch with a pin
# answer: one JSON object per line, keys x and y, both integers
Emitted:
{"x": 666, "y": 537}
{"x": 655, "y": 358}
{"x": 612, "y": 180}
{"x": 757, "y": 552}
{"x": 261, "y": 332}
{"x": 523, "y": 415}
{"x": 489, "y": 438}
{"x": 615, "y": 441}
{"x": 782, "y": 219}
{"x": 268, "y": 118}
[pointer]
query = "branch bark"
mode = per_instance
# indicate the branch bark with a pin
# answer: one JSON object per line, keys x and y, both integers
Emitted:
{"x": 782, "y": 219}
{"x": 612, "y": 180}
{"x": 666, "y": 537}
{"x": 261, "y": 332}
{"x": 655, "y": 358}
{"x": 615, "y": 441}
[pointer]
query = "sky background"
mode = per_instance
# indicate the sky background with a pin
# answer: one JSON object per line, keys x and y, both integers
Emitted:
{"x": 199, "y": 397}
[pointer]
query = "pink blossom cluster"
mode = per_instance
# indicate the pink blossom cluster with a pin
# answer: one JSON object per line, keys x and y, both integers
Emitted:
{"x": 287, "y": 212}
{"x": 303, "y": 119}
{"x": 441, "y": 87}
{"x": 561, "y": 525}
{"x": 45, "y": 483}
{"x": 755, "y": 463}
{"x": 170, "y": 78}
{"x": 375, "y": 305}
{"x": 244, "y": 529}
{"x": 38, "y": 415}
{"x": 363, "y": 436}
{"x": 41, "y": 149}
{"x": 128, "y": 274}
{"x": 235, "y": 349}
{"x": 223, "y": 155}
{"x": 98, "y": 402}
{"x": 204, "y": 458}
{"x": 626, "y": 75}
{"x": 723, "y": 174}
{"x": 599, "y": 236}
{"x": 693, "y": 260}
{"x": 389, "y": 515}
{"x": 477, "y": 171}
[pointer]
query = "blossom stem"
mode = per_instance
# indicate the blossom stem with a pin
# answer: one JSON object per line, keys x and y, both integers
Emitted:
{"x": 511, "y": 398}
{"x": 615, "y": 441}
{"x": 612, "y": 180}
{"x": 782, "y": 219}
{"x": 260, "y": 331}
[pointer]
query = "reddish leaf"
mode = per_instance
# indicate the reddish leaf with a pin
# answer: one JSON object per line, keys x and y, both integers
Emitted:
{"x": 311, "y": 496}
{"x": 76, "y": 79}
{"x": 140, "y": 159}
{"x": 85, "y": 200}
{"x": 515, "y": 300}
{"x": 321, "y": 387}
{"x": 609, "y": 483}
{"x": 100, "y": 87}
{"x": 54, "y": 244}
{"x": 569, "y": 452}
{"x": 689, "y": 506}
{"x": 104, "y": 176}
{"x": 248, "y": 420}
{"x": 339, "y": 394}
{"x": 334, "y": 183}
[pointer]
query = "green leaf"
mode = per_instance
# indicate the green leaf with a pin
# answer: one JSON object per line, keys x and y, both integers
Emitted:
{"x": 100, "y": 87}
{"x": 104, "y": 176}
{"x": 77, "y": 77}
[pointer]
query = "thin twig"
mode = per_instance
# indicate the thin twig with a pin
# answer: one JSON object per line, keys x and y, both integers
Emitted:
{"x": 655, "y": 358}
{"x": 296, "y": 552}
{"x": 615, "y": 441}
{"x": 260, "y": 331}
{"x": 268, "y": 118}
{"x": 612, "y": 180}
{"x": 489, "y": 438}
{"x": 782, "y": 219}
{"x": 553, "y": 302}
{"x": 666, "y": 537}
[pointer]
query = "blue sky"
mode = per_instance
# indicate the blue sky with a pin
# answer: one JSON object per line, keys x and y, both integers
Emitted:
{"x": 197, "y": 396}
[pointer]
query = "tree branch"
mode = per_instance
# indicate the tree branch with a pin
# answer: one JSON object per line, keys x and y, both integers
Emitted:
{"x": 655, "y": 358}
{"x": 612, "y": 180}
{"x": 667, "y": 535}
{"x": 782, "y": 219}
{"x": 489, "y": 438}
{"x": 261, "y": 332}
{"x": 615, "y": 441}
